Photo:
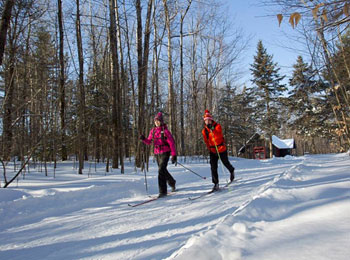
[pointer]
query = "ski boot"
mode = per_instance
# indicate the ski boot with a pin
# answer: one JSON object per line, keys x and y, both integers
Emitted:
{"x": 216, "y": 187}
{"x": 232, "y": 175}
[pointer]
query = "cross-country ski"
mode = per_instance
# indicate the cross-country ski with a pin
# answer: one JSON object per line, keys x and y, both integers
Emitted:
{"x": 226, "y": 186}
{"x": 143, "y": 202}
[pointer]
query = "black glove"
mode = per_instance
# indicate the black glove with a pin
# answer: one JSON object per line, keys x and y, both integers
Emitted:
{"x": 173, "y": 159}
{"x": 142, "y": 137}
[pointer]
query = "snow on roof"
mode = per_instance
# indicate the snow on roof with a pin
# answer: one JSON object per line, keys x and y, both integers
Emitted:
{"x": 282, "y": 143}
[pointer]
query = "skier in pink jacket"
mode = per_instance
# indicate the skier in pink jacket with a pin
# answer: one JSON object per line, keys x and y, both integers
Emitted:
{"x": 164, "y": 146}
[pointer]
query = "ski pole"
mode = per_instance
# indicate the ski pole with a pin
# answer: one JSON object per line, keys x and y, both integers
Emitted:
{"x": 144, "y": 169}
{"x": 192, "y": 171}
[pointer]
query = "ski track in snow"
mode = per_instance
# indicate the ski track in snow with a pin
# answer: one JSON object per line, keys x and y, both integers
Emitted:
{"x": 88, "y": 218}
{"x": 248, "y": 220}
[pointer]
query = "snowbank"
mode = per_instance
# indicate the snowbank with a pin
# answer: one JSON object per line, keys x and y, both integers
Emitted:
{"x": 282, "y": 208}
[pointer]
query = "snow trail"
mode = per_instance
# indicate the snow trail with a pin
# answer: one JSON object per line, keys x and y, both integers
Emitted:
{"x": 74, "y": 217}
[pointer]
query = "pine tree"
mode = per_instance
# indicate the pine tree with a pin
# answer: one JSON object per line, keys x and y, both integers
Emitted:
{"x": 310, "y": 112}
{"x": 305, "y": 102}
{"x": 267, "y": 90}
{"x": 302, "y": 84}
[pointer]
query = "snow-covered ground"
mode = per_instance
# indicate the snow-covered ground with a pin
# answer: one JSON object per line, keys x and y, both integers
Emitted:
{"x": 283, "y": 208}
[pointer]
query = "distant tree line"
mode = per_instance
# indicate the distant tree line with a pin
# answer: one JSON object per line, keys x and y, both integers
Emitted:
{"x": 84, "y": 79}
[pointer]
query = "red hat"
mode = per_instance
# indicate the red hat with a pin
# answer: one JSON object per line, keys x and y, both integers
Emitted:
{"x": 207, "y": 115}
{"x": 159, "y": 117}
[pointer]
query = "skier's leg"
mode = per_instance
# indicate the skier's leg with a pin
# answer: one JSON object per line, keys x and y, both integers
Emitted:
{"x": 228, "y": 165}
{"x": 214, "y": 167}
{"x": 163, "y": 172}
{"x": 170, "y": 180}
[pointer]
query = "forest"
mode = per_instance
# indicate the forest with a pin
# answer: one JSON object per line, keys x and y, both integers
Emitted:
{"x": 81, "y": 80}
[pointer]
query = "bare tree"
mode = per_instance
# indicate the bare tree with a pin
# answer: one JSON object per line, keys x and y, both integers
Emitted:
{"x": 81, "y": 105}
{"x": 123, "y": 86}
{"x": 182, "y": 115}
{"x": 142, "y": 68}
{"x": 171, "y": 91}
{"x": 62, "y": 82}
{"x": 115, "y": 85}
{"x": 130, "y": 76}
{"x": 8, "y": 105}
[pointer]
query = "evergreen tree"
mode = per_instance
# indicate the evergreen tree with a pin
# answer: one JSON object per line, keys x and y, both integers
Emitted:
{"x": 341, "y": 60}
{"x": 307, "y": 105}
{"x": 302, "y": 85}
{"x": 267, "y": 90}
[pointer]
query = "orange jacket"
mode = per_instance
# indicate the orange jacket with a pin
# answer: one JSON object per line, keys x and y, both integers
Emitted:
{"x": 214, "y": 137}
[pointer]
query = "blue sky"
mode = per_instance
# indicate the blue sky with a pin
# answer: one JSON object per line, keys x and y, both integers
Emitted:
{"x": 258, "y": 22}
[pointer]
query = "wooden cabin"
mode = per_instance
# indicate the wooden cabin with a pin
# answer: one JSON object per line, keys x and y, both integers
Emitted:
{"x": 283, "y": 147}
{"x": 254, "y": 148}
{"x": 257, "y": 147}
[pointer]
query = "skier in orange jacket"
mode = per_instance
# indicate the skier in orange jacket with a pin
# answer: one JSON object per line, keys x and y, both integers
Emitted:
{"x": 213, "y": 138}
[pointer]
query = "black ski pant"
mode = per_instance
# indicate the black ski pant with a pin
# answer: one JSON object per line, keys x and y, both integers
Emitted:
{"x": 164, "y": 176}
{"x": 214, "y": 158}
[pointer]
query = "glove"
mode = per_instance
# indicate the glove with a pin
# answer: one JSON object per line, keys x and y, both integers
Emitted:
{"x": 173, "y": 159}
{"x": 142, "y": 137}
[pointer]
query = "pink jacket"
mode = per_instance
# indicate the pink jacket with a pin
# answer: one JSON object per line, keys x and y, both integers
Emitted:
{"x": 161, "y": 146}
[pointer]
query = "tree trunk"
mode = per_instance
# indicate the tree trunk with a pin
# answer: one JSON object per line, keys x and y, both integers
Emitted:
{"x": 81, "y": 106}
{"x": 62, "y": 83}
{"x": 5, "y": 23}
{"x": 142, "y": 66}
{"x": 115, "y": 82}
{"x": 122, "y": 94}
{"x": 141, "y": 94}
{"x": 182, "y": 115}
{"x": 135, "y": 140}
{"x": 195, "y": 131}
{"x": 8, "y": 101}
{"x": 171, "y": 100}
